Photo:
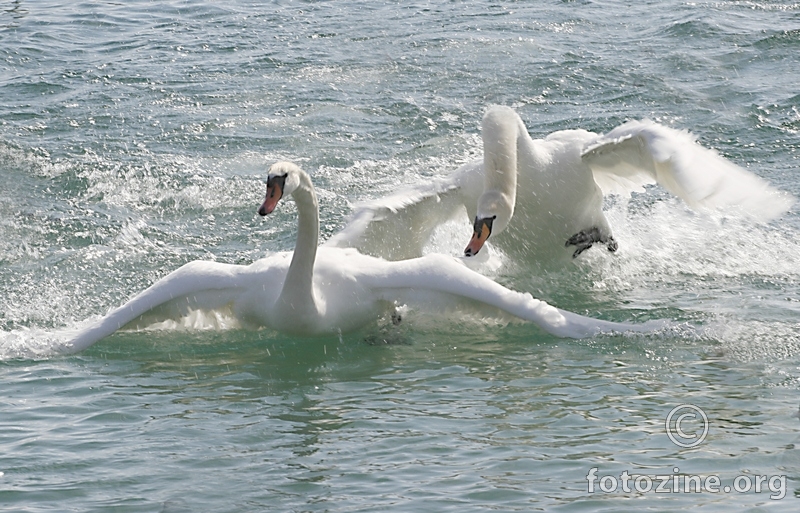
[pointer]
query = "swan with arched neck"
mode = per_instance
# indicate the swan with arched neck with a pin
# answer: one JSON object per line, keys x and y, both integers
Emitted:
{"x": 542, "y": 199}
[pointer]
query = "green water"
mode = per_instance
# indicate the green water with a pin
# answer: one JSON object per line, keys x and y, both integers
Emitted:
{"x": 135, "y": 138}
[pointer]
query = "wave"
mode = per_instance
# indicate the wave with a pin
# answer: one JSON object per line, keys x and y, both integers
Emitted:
{"x": 779, "y": 40}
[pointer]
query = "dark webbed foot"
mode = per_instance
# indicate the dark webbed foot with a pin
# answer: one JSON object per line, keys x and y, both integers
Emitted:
{"x": 584, "y": 240}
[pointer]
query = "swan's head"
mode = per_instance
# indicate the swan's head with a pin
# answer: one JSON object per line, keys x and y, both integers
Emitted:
{"x": 494, "y": 213}
{"x": 283, "y": 179}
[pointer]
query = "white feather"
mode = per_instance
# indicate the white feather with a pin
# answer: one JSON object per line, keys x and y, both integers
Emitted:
{"x": 560, "y": 183}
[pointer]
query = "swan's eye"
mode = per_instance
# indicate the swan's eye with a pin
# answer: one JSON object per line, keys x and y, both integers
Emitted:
{"x": 276, "y": 183}
{"x": 486, "y": 222}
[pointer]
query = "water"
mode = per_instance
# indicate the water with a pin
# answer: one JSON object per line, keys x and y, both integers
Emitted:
{"x": 135, "y": 138}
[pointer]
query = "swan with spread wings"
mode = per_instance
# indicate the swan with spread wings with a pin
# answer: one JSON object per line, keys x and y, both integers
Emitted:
{"x": 542, "y": 199}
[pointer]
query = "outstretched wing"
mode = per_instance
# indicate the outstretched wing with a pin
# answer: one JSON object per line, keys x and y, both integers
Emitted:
{"x": 398, "y": 226}
{"x": 197, "y": 285}
{"x": 405, "y": 280}
{"x": 641, "y": 152}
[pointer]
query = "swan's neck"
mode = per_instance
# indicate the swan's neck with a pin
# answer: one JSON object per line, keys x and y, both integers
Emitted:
{"x": 503, "y": 134}
{"x": 501, "y": 151}
{"x": 298, "y": 290}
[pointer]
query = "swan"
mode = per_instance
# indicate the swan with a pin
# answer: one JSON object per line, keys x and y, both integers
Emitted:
{"x": 542, "y": 199}
{"x": 326, "y": 290}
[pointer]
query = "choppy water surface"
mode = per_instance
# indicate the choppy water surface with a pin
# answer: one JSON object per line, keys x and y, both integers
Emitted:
{"x": 134, "y": 137}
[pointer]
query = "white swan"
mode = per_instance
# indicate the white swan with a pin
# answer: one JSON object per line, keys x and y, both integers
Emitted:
{"x": 313, "y": 292}
{"x": 542, "y": 199}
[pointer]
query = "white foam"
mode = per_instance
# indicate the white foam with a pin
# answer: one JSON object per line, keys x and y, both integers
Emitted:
{"x": 666, "y": 240}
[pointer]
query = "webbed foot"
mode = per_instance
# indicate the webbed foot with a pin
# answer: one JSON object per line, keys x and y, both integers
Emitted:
{"x": 584, "y": 240}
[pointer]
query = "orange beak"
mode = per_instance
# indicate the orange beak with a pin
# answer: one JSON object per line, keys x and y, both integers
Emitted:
{"x": 483, "y": 228}
{"x": 274, "y": 193}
